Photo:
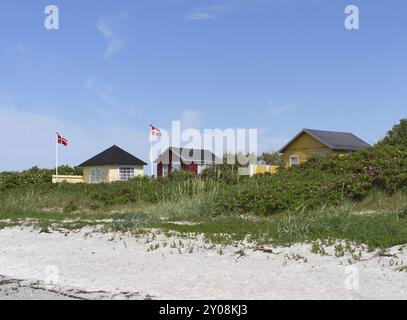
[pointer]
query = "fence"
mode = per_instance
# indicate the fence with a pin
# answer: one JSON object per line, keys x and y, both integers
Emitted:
{"x": 261, "y": 169}
{"x": 68, "y": 179}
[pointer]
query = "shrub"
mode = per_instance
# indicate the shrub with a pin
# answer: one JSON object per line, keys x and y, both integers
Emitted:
{"x": 227, "y": 173}
{"x": 321, "y": 180}
{"x": 33, "y": 176}
{"x": 396, "y": 136}
{"x": 273, "y": 158}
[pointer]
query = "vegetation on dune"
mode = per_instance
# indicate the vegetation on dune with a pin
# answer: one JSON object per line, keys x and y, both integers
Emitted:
{"x": 273, "y": 158}
{"x": 323, "y": 197}
{"x": 376, "y": 230}
{"x": 396, "y": 136}
{"x": 320, "y": 181}
{"x": 33, "y": 176}
{"x": 329, "y": 223}
{"x": 139, "y": 192}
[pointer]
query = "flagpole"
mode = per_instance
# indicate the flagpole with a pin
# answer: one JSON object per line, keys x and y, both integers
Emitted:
{"x": 56, "y": 158}
{"x": 151, "y": 155}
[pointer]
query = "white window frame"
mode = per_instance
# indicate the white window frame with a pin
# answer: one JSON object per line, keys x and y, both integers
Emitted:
{"x": 298, "y": 160}
{"x": 94, "y": 177}
{"x": 176, "y": 166}
{"x": 165, "y": 170}
{"x": 202, "y": 167}
{"x": 126, "y": 173}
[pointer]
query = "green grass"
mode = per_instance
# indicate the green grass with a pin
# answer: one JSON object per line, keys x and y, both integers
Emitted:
{"x": 129, "y": 196}
{"x": 326, "y": 180}
{"x": 378, "y": 201}
{"x": 360, "y": 198}
{"x": 375, "y": 230}
{"x": 379, "y": 221}
{"x": 10, "y": 217}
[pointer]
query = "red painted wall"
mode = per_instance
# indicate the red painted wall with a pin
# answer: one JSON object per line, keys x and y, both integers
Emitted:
{"x": 192, "y": 167}
{"x": 160, "y": 170}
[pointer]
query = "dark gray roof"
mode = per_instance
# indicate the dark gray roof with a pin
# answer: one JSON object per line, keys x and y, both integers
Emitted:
{"x": 113, "y": 156}
{"x": 188, "y": 155}
{"x": 344, "y": 141}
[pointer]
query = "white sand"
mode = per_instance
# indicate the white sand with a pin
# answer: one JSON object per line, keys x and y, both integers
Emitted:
{"x": 99, "y": 267}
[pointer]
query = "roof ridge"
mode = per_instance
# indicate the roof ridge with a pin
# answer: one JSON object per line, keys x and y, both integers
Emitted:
{"x": 179, "y": 151}
{"x": 113, "y": 155}
{"x": 305, "y": 129}
{"x": 335, "y": 140}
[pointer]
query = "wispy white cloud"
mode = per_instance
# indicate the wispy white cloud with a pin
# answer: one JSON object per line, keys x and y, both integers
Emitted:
{"x": 5, "y": 100}
{"x": 208, "y": 12}
{"x": 18, "y": 127}
{"x": 106, "y": 26}
{"x": 102, "y": 90}
{"x": 106, "y": 93}
{"x": 279, "y": 109}
{"x": 270, "y": 141}
{"x": 29, "y": 139}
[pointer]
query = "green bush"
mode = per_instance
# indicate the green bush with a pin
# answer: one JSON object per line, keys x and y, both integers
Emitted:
{"x": 273, "y": 158}
{"x": 321, "y": 180}
{"x": 33, "y": 176}
{"x": 39, "y": 193}
{"x": 227, "y": 173}
{"x": 397, "y": 136}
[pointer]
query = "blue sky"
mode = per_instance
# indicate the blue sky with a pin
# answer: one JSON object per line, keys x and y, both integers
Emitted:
{"x": 114, "y": 67}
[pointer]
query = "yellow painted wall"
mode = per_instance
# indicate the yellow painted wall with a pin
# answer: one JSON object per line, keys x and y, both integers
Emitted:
{"x": 305, "y": 147}
{"x": 261, "y": 169}
{"x": 68, "y": 179}
{"x": 110, "y": 173}
{"x": 139, "y": 171}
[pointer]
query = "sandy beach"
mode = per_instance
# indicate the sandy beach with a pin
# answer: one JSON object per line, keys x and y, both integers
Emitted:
{"x": 91, "y": 265}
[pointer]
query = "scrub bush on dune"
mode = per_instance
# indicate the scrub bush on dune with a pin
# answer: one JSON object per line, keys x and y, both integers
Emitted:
{"x": 320, "y": 181}
{"x": 33, "y": 176}
{"x": 323, "y": 180}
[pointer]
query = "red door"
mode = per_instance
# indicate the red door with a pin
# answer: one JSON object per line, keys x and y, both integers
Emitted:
{"x": 192, "y": 167}
{"x": 160, "y": 170}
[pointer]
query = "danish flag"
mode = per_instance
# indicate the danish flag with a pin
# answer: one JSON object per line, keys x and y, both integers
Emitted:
{"x": 155, "y": 131}
{"x": 62, "y": 140}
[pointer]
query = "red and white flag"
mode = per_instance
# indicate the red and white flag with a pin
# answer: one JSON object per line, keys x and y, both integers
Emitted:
{"x": 155, "y": 131}
{"x": 62, "y": 140}
{"x": 59, "y": 140}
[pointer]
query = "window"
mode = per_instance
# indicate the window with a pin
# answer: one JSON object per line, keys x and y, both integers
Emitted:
{"x": 176, "y": 166}
{"x": 165, "y": 170}
{"x": 294, "y": 161}
{"x": 202, "y": 167}
{"x": 96, "y": 175}
{"x": 126, "y": 174}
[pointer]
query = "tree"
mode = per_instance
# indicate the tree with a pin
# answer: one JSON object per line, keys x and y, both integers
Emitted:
{"x": 240, "y": 158}
{"x": 396, "y": 136}
{"x": 272, "y": 158}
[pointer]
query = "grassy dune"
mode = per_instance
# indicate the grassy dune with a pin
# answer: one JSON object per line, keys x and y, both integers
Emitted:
{"x": 378, "y": 221}
{"x": 361, "y": 198}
